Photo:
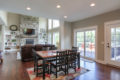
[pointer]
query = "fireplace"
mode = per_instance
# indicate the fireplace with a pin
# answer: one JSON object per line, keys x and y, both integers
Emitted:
{"x": 29, "y": 41}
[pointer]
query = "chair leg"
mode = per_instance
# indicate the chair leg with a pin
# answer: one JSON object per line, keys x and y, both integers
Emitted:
{"x": 37, "y": 69}
{"x": 50, "y": 68}
{"x": 34, "y": 67}
{"x": 1, "y": 60}
{"x": 56, "y": 72}
{"x": 65, "y": 70}
{"x": 75, "y": 66}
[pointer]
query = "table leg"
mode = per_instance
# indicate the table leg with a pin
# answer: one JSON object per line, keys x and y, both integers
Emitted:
{"x": 43, "y": 69}
{"x": 79, "y": 61}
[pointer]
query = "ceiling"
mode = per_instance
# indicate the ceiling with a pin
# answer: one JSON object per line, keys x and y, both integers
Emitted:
{"x": 74, "y": 9}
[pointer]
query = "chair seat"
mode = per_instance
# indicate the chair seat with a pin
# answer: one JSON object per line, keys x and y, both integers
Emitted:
{"x": 51, "y": 59}
{"x": 71, "y": 61}
{"x": 41, "y": 64}
{"x": 58, "y": 63}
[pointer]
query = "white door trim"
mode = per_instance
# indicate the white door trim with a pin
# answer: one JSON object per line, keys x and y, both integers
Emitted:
{"x": 106, "y": 25}
{"x": 95, "y": 27}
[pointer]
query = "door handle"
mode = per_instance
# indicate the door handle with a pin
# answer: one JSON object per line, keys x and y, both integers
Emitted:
{"x": 108, "y": 45}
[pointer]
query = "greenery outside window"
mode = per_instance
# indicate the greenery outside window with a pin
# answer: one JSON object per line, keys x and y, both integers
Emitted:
{"x": 56, "y": 38}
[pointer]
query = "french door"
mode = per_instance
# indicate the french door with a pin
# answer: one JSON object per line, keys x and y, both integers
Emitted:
{"x": 112, "y": 46}
{"x": 86, "y": 42}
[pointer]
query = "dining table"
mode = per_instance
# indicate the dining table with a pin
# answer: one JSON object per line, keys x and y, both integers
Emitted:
{"x": 45, "y": 55}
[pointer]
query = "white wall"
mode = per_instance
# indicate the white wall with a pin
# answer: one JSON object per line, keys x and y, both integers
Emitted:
{"x": 13, "y": 19}
{"x": 3, "y": 17}
{"x": 43, "y": 23}
{"x": 67, "y": 35}
{"x": 61, "y": 29}
{"x": 2, "y": 28}
{"x": 3, "y": 24}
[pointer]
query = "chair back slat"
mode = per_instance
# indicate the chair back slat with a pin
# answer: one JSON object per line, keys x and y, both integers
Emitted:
{"x": 72, "y": 56}
{"x": 34, "y": 55}
{"x": 75, "y": 49}
{"x": 61, "y": 57}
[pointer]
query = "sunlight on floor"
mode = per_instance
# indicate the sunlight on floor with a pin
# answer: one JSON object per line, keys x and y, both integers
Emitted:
{"x": 87, "y": 64}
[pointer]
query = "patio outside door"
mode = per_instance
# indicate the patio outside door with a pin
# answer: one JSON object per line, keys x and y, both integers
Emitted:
{"x": 86, "y": 43}
{"x": 113, "y": 44}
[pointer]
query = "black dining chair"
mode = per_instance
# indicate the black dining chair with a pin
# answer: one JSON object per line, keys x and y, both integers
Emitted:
{"x": 38, "y": 66}
{"x": 71, "y": 60}
{"x": 60, "y": 62}
{"x": 75, "y": 49}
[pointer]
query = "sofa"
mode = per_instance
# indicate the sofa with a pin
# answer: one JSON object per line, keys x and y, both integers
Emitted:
{"x": 26, "y": 50}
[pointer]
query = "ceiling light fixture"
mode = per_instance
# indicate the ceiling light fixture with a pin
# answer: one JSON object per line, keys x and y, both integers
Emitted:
{"x": 65, "y": 17}
{"x": 28, "y": 8}
{"x": 92, "y": 4}
{"x": 58, "y": 6}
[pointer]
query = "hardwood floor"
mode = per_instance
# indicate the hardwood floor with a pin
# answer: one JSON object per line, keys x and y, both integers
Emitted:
{"x": 13, "y": 69}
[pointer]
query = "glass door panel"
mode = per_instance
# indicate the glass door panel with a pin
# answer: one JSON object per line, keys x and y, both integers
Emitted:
{"x": 90, "y": 44}
{"x": 80, "y": 42}
{"x": 115, "y": 44}
{"x": 56, "y": 39}
{"x": 86, "y": 43}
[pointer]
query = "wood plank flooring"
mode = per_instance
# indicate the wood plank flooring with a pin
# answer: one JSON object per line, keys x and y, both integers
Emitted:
{"x": 13, "y": 69}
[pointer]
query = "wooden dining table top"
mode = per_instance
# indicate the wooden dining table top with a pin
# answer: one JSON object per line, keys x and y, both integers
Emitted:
{"x": 48, "y": 54}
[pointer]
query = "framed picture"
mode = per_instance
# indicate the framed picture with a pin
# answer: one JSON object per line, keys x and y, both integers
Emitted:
{"x": 13, "y": 27}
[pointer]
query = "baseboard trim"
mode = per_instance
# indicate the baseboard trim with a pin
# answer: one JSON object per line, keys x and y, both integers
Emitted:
{"x": 101, "y": 62}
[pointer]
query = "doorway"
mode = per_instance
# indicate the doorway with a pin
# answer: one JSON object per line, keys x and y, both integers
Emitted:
{"x": 112, "y": 43}
{"x": 86, "y": 42}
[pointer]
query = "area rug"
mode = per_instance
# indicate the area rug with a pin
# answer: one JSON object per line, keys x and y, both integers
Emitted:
{"x": 69, "y": 76}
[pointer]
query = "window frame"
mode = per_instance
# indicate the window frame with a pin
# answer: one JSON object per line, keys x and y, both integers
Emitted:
{"x": 52, "y": 24}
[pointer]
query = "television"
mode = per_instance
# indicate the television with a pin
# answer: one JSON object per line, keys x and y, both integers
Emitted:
{"x": 28, "y": 31}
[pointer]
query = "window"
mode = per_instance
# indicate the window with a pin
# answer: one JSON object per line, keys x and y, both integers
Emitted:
{"x": 53, "y": 24}
{"x": 49, "y": 38}
{"x": 50, "y": 24}
{"x": 56, "y": 38}
{"x": 53, "y": 35}
{"x": 56, "y": 23}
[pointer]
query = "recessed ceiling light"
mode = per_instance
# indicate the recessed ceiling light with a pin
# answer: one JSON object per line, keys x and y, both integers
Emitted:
{"x": 28, "y": 8}
{"x": 65, "y": 17}
{"x": 92, "y": 4}
{"x": 58, "y": 6}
